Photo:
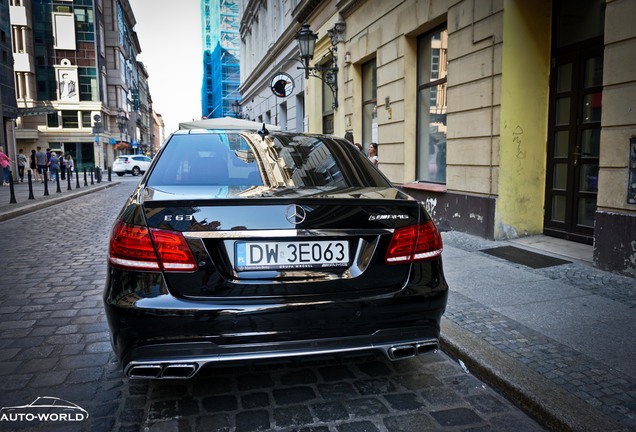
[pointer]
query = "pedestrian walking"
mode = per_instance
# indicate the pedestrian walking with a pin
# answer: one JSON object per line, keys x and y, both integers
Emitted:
{"x": 5, "y": 164}
{"x": 54, "y": 166}
{"x": 22, "y": 164}
{"x": 34, "y": 166}
{"x": 62, "y": 163}
{"x": 69, "y": 165}
{"x": 42, "y": 164}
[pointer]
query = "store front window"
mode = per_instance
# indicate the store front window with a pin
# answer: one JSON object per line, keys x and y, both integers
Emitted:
{"x": 431, "y": 97}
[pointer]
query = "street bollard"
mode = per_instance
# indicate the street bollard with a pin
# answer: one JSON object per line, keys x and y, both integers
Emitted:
{"x": 92, "y": 182}
{"x": 85, "y": 181}
{"x": 30, "y": 185}
{"x": 68, "y": 179}
{"x": 98, "y": 172}
{"x": 77, "y": 185}
{"x": 57, "y": 181}
{"x": 110, "y": 172}
{"x": 12, "y": 200}
{"x": 46, "y": 182}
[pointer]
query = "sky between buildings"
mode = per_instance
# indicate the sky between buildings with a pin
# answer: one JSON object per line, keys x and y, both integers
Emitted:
{"x": 169, "y": 33}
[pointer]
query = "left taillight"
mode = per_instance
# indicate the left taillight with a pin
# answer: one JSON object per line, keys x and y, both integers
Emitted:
{"x": 131, "y": 247}
{"x": 414, "y": 243}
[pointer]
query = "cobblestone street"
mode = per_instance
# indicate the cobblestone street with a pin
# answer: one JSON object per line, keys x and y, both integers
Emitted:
{"x": 54, "y": 342}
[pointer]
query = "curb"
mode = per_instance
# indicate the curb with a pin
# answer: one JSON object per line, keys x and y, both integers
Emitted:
{"x": 22, "y": 210}
{"x": 543, "y": 400}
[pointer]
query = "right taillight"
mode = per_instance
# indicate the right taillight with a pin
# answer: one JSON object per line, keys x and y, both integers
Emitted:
{"x": 131, "y": 247}
{"x": 414, "y": 243}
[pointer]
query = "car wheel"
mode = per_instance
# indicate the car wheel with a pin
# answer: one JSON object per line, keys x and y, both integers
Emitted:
{"x": 135, "y": 171}
{"x": 120, "y": 174}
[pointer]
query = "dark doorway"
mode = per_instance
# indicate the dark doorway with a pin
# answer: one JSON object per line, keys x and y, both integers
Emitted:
{"x": 574, "y": 131}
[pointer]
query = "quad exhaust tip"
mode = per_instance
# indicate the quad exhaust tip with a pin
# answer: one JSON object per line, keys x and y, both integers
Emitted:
{"x": 399, "y": 352}
{"x": 162, "y": 371}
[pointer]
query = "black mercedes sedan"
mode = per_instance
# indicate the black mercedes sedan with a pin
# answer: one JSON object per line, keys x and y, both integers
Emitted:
{"x": 243, "y": 245}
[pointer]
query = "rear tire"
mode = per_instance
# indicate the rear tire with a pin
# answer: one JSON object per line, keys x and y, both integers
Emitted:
{"x": 120, "y": 174}
{"x": 135, "y": 171}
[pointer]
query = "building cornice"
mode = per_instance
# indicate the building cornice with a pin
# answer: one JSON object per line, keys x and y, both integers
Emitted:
{"x": 304, "y": 9}
{"x": 347, "y": 7}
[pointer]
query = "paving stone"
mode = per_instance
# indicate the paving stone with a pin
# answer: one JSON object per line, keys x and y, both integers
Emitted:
{"x": 164, "y": 410}
{"x": 254, "y": 382}
{"x": 408, "y": 423}
{"x": 293, "y": 395}
{"x": 255, "y": 400}
{"x": 216, "y": 404}
{"x": 337, "y": 391}
{"x": 362, "y": 407}
{"x": 335, "y": 373}
{"x": 375, "y": 386}
{"x": 404, "y": 401}
{"x": 248, "y": 421}
{"x": 360, "y": 426}
{"x": 294, "y": 415}
{"x": 330, "y": 411}
{"x": 456, "y": 417}
{"x": 304, "y": 376}
{"x": 217, "y": 422}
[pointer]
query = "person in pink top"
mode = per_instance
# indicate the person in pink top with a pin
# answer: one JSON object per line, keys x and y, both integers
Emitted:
{"x": 5, "y": 164}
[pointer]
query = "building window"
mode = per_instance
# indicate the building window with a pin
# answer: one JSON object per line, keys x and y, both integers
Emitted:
{"x": 327, "y": 106}
{"x": 369, "y": 102}
{"x": 88, "y": 90}
{"x": 52, "y": 120}
{"x": 70, "y": 120}
{"x": 431, "y": 101}
{"x": 86, "y": 119}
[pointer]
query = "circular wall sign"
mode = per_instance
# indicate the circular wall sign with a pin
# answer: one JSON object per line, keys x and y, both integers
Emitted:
{"x": 282, "y": 85}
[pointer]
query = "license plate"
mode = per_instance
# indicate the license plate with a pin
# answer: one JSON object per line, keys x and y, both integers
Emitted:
{"x": 290, "y": 255}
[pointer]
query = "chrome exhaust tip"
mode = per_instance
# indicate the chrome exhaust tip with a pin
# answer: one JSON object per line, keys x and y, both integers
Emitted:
{"x": 400, "y": 352}
{"x": 179, "y": 371}
{"x": 425, "y": 348}
{"x": 144, "y": 371}
{"x": 162, "y": 371}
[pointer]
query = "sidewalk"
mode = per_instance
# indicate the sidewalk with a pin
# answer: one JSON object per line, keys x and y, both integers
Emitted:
{"x": 24, "y": 205}
{"x": 555, "y": 335}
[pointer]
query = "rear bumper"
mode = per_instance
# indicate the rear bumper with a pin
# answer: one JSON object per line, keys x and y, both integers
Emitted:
{"x": 158, "y": 335}
{"x": 184, "y": 360}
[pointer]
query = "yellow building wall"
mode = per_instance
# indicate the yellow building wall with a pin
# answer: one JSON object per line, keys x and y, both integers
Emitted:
{"x": 523, "y": 118}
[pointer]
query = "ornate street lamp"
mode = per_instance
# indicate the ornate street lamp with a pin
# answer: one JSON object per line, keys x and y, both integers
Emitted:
{"x": 328, "y": 74}
{"x": 121, "y": 123}
{"x": 236, "y": 108}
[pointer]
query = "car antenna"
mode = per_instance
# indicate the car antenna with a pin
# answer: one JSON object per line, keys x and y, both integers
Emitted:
{"x": 263, "y": 132}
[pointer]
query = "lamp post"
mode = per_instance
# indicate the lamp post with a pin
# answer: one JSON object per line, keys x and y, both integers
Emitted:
{"x": 121, "y": 123}
{"x": 306, "y": 39}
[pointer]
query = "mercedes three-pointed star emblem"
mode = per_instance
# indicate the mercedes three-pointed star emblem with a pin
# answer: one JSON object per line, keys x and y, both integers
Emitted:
{"x": 295, "y": 214}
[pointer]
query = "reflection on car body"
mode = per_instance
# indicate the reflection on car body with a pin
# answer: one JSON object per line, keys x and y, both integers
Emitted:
{"x": 131, "y": 164}
{"x": 239, "y": 246}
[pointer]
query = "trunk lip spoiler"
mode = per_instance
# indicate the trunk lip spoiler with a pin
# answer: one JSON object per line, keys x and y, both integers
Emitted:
{"x": 287, "y": 233}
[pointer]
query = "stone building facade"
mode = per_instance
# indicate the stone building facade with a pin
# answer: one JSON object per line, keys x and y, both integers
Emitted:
{"x": 508, "y": 118}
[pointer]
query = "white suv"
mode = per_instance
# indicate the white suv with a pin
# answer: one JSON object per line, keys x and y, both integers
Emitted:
{"x": 133, "y": 164}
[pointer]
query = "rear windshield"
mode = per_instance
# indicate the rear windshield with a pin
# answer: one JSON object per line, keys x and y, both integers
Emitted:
{"x": 281, "y": 160}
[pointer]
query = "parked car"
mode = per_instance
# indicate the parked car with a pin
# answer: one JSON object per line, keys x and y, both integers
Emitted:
{"x": 242, "y": 246}
{"x": 131, "y": 164}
